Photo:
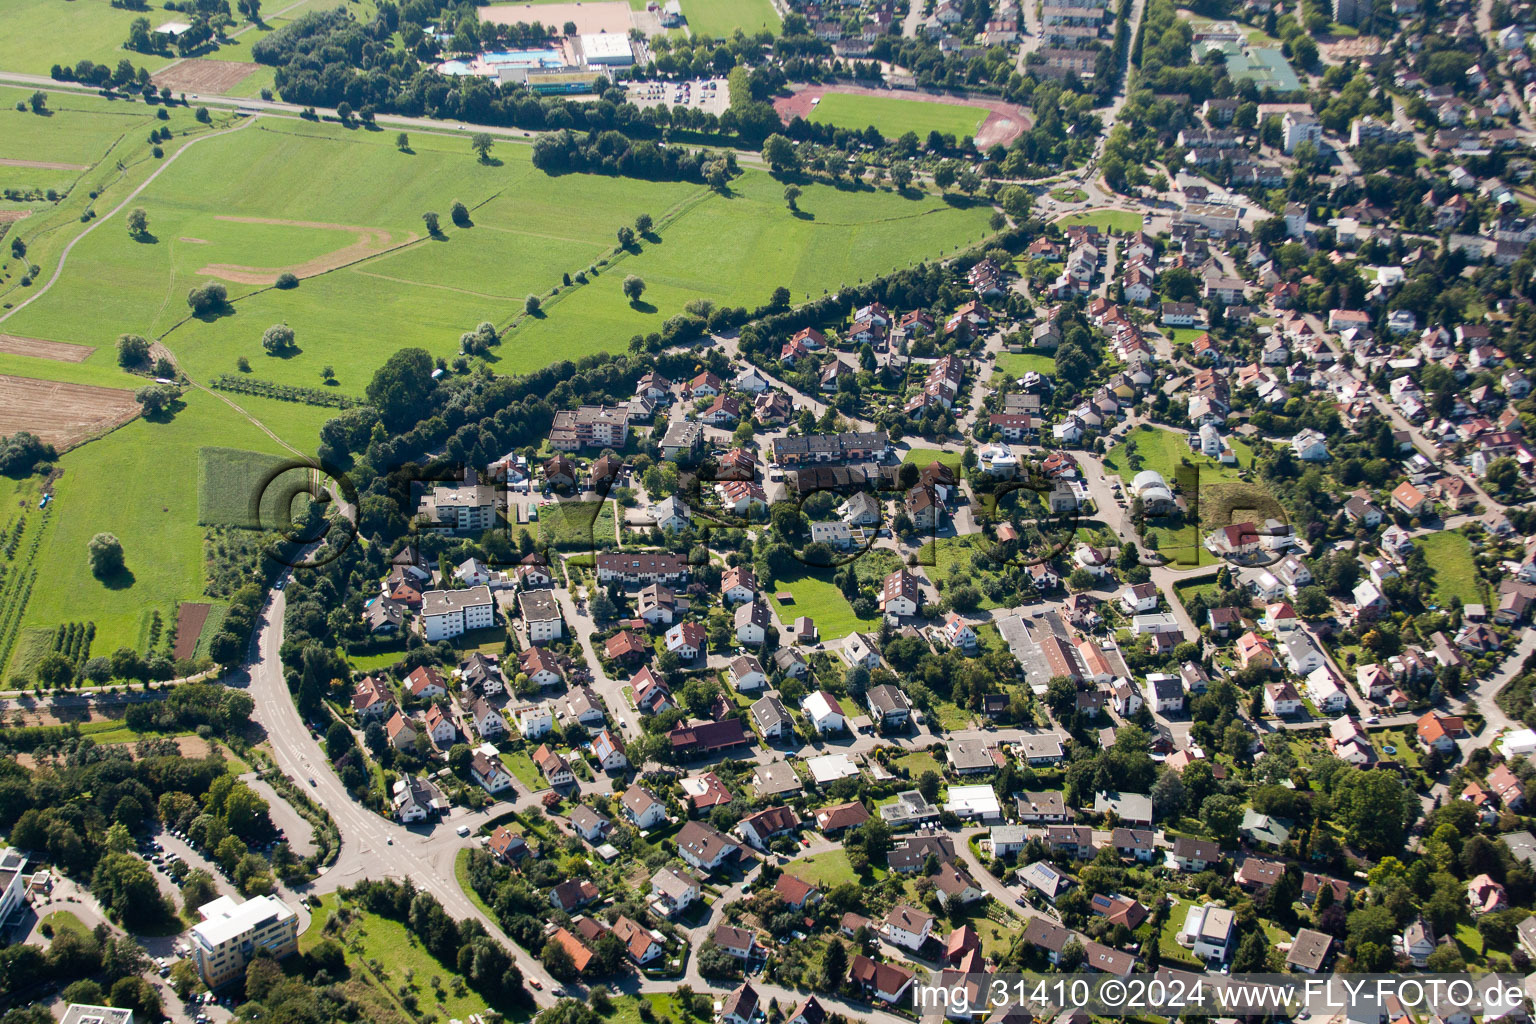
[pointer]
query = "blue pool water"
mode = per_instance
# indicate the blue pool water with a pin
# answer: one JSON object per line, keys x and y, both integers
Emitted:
{"x": 526, "y": 58}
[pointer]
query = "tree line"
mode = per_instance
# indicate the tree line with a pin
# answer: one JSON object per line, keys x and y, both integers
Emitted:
{"x": 286, "y": 392}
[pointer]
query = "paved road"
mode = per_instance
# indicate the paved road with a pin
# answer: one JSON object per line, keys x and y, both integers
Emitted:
{"x": 58, "y": 269}
{"x": 371, "y": 846}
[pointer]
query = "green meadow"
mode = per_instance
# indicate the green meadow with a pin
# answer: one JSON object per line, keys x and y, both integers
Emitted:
{"x": 893, "y": 117}
{"x": 736, "y": 249}
{"x": 528, "y": 229}
{"x": 41, "y": 33}
{"x": 112, "y": 135}
{"x": 1114, "y": 221}
{"x": 77, "y": 130}
{"x": 144, "y": 483}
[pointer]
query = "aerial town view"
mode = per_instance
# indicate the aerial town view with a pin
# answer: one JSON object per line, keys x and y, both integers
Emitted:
{"x": 767, "y": 511}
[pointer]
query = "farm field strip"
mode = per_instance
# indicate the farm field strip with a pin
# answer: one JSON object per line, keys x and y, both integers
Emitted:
{"x": 62, "y": 414}
{"x": 40, "y": 348}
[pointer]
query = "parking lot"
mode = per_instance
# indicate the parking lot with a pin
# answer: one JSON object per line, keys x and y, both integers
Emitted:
{"x": 711, "y": 95}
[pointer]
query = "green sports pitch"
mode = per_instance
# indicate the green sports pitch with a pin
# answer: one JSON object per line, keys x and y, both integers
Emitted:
{"x": 893, "y": 118}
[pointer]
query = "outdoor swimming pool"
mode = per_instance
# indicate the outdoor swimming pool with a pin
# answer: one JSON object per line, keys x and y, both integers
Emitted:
{"x": 525, "y": 58}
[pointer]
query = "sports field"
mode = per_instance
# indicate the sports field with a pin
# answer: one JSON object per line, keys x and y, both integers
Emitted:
{"x": 211, "y": 222}
{"x": 893, "y": 117}
{"x": 721, "y": 18}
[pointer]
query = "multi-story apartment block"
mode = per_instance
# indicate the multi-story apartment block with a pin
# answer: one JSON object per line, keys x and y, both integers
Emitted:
{"x": 591, "y": 426}
{"x": 446, "y": 614}
{"x": 230, "y": 933}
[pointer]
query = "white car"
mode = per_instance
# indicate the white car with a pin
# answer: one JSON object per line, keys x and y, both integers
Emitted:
{"x": 462, "y": 830}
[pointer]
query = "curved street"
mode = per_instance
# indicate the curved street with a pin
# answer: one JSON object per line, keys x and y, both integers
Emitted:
{"x": 370, "y": 845}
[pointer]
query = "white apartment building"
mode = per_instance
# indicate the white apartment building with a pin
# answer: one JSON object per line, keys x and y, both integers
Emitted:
{"x": 446, "y": 614}
{"x": 230, "y": 932}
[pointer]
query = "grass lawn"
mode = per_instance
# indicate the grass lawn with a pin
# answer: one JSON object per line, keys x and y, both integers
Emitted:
{"x": 1449, "y": 555}
{"x": 1187, "y": 591}
{"x": 825, "y": 869}
{"x": 1224, "y": 497}
{"x": 917, "y": 762}
{"x": 1182, "y": 334}
{"x": 950, "y": 716}
{"x": 1469, "y": 939}
{"x": 1167, "y": 940}
{"x": 721, "y": 18}
{"x": 377, "y": 661}
{"x": 816, "y": 596}
{"x": 626, "y": 1009}
{"x": 925, "y": 457}
{"x": 1275, "y": 933}
{"x": 520, "y": 764}
{"x": 951, "y": 560}
{"x": 1405, "y": 749}
{"x": 1068, "y": 195}
{"x": 893, "y": 118}
{"x": 60, "y": 921}
{"x": 1017, "y": 364}
{"x": 1121, "y": 221}
{"x": 576, "y": 525}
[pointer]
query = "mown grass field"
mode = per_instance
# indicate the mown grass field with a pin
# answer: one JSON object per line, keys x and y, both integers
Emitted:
{"x": 736, "y": 249}
{"x": 1017, "y": 364}
{"x": 41, "y": 33}
{"x": 77, "y": 131}
{"x": 824, "y": 869}
{"x": 1449, "y": 555}
{"x": 528, "y": 230}
{"x": 124, "y": 161}
{"x": 818, "y": 597}
{"x": 1118, "y": 221}
{"x": 925, "y": 457}
{"x": 721, "y": 18}
{"x": 895, "y": 117}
